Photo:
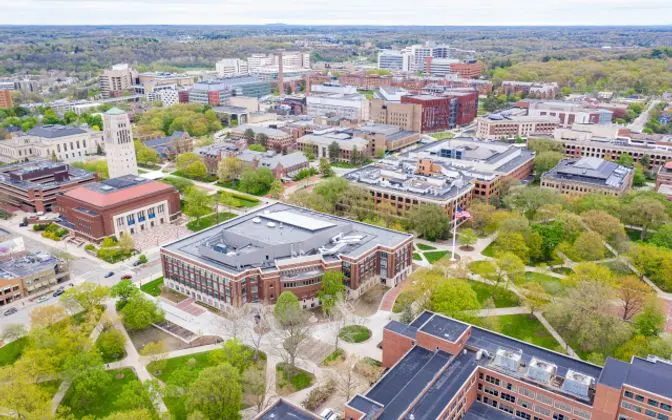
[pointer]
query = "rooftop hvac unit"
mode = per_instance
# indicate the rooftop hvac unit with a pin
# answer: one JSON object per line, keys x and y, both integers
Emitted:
{"x": 508, "y": 359}
{"x": 541, "y": 371}
{"x": 270, "y": 224}
{"x": 256, "y": 220}
{"x": 577, "y": 383}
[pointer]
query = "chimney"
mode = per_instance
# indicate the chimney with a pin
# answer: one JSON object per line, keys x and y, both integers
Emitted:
{"x": 307, "y": 85}
{"x": 281, "y": 82}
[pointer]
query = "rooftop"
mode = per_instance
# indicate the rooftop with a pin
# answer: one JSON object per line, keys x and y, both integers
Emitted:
{"x": 56, "y": 131}
{"x": 282, "y": 409}
{"x": 42, "y": 175}
{"x": 117, "y": 190}
{"x": 278, "y": 234}
{"x": 591, "y": 170}
{"x": 271, "y": 159}
{"x": 345, "y": 139}
{"x": 270, "y": 132}
{"x": 27, "y": 265}
{"x": 652, "y": 374}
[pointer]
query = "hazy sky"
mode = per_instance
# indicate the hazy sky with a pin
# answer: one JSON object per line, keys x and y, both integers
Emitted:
{"x": 341, "y": 12}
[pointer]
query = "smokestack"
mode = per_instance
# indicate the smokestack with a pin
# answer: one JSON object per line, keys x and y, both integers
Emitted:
{"x": 281, "y": 82}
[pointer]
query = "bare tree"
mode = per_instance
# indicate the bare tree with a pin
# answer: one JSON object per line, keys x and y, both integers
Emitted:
{"x": 293, "y": 331}
{"x": 258, "y": 326}
{"x": 346, "y": 379}
{"x": 254, "y": 381}
{"x": 339, "y": 317}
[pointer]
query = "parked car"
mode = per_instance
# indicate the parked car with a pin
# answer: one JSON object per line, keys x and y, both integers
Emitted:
{"x": 136, "y": 263}
{"x": 10, "y": 311}
{"x": 43, "y": 298}
{"x": 127, "y": 277}
{"x": 23, "y": 224}
{"x": 109, "y": 274}
{"x": 327, "y": 414}
{"x": 58, "y": 292}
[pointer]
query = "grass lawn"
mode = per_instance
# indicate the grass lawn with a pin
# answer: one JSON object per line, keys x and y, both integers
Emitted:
{"x": 634, "y": 235}
{"x": 104, "y": 405}
{"x": 562, "y": 270}
{"x": 490, "y": 250}
{"x": 10, "y": 353}
{"x": 417, "y": 257}
{"x": 153, "y": 287}
{"x": 434, "y": 256}
{"x": 354, "y": 333}
{"x": 405, "y": 298}
{"x": 552, "y": 285}
{"x": 235, "y": 186}
{"x": 479, "y": 267}
{"x": 241, "y": 201}
{"x": 617, "y": 267}
{"x": 444, "y": 135}
{"x": 285, "y": 384}
{"x": 504, "y": 299}
{"x": 529, "y": 329}
{"x": 207, "y": 221}
{"x": 424, "y": 247}
{"x": 335, "y": 357}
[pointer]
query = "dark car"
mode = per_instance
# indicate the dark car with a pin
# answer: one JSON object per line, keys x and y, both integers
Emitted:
{"x": 10, "y": 311}
{"x": 58, "y": 292}
{"x": 109, "y": 274}
{"x": 126, "y": 277}
{"x": 23, "y": 224}
{"x": 136, "y": 263}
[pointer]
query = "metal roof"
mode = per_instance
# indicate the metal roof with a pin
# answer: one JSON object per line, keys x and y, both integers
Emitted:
{"x": 56, "y": 131}
{"x": 650, "y": 375}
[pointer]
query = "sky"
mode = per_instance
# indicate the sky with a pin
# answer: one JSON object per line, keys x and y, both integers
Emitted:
{"x": 337, "y": 12}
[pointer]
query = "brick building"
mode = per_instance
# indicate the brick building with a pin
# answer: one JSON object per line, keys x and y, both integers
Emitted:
{"x": 170, "y": 146}
{"x": 30, "y": 274}
{"x": 498, "y": 126}
{"x": 257, "y": 256}
{"x": 282, "y": 166}
{"x": 123, "y": 205}
{"x": 34, "y": 186}
{"x": 446, "y": 111}
{"x": 277, "y": 140}
{"x": 586, "y": 175}
{"x": 318, "y": 144}
{"x": 470, "y": 70}
{"x": 441, "y": 368}
{"x": 664, "y": 176}
{"x": 6, "y": 99}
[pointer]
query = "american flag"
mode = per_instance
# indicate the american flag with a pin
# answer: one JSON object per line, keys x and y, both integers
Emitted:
{"x": 462, "y": 214}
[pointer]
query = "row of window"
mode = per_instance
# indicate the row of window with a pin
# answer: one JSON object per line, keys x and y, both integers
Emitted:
{"x": 649, "y": 401}
{"x": 637, "y": 409}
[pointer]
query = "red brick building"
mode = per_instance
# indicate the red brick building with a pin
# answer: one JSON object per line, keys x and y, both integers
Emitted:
{"x": 257, "y": 256}
{"x": 441, "y": 368}
{"x": 123, "y": 205}
{"x": 34, "y": 186}
{"x": 467, "y": 70}
{"x": 443, "y": 112}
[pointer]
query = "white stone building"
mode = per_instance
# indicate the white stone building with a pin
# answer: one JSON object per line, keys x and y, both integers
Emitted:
{"x": 119, "y": 147}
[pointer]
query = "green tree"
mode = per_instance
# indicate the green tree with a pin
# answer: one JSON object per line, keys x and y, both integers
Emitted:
{"x": 248, "y": 135}
{"x": 591, "y": 273}
{"x": 467, "y": 238}
{"x": 234, "y": 353}
{"x": 588, "y": 246}
{"x": 663, "y": 236}
{"x": 646, "y": 212}
{"x": 633, "y": 294}
{"x": 651, "y": 320}
{"x": 545, "y": 161}
{"x": 133, "y": 396}
{"x": 454, "y": 298}
{"x": 626, "y": 160}
{"x": 429, "y": 221}
{"x": 262, "y": 140}
{"x": 216, "y": 393}
{"x": 199, "y": 203}
{"x": 287, "y": 308}
{"x": 140, "y": 313}
{"x": 184, "y": 160}
{"x": 529, "y": 200}
{"x": 229, "y": 169}
{"x": 88, "y": 295}
{"x": 111, "y": 344}
{"x": 334, "y": 151}
{"x": 145, "y": 155}
{"x": 331, "y": 290}
{"x": 89, "y": 379}
{"x": 256, "y": 181}
{"x": 514, "y": 243}
{"x": 325, "y": 168}
{"x": 124, "y": 290}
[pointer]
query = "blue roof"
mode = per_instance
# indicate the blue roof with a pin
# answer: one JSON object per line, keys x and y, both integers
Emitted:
{"x": 650, "y": 375}
{"x": 444, "y": 328}
{"x": 398, "y": 376}
{"x": 421, "y": 319}
{"x": 55, "y": 131}
{"x": 479, "y": 411}
{"x": 365, "y": 405}
{"x": 401, "y": 328}
{"x": 283, "y": 410}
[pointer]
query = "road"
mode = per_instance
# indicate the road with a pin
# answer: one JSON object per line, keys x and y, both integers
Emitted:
{"x": 638, "y": 124}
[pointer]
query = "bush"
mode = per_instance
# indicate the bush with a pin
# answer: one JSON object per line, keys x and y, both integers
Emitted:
{"x": 90, "y": 247}
{"x": 354, "y": 333}
{"x": 319, "y": 395}
{"x": 305, "y": 173}
{"x": 54, "y": 232}
{"x": 110, "y": 344}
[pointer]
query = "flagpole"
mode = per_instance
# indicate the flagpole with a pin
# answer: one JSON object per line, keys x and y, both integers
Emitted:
{"x": 452, "y": 257}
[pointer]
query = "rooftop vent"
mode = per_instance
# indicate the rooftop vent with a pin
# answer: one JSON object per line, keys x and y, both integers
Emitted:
{"x": 256, "y": 220}
{"x": 577, "y": 383}
{"x": 541, "y": 371}
{"x": 270, "y": 224}
{"x": 508, "y": 359}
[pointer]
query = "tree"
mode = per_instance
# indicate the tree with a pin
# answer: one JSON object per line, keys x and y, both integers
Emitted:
{"x": 535, "y": 296}
{"x": 293, "y": 327}
{"x": 133, "y": 396}
{"x": 650, "y": 321}
{"x": 545, "y": 161}
{"x": 626, "y": 160}
{"x": 429, "y": 221}
{"x": 229, "y": 169}
{"x": 88, "y": 295}
{"x": 276, "y": 189}
{"x": 592, "y": 273}
{"x": 528, "y": 200}
{"x": 111, "y": 344}
{"x": 603, "y": 223}
{"x": 23, "y": 396}
{"x": 137, "y": 414}
{"x": 46, "y": 315}
{"x": 216, "y": 393}
{"x": 331, "y": 290}
{"x": 248, "y": 135}
{"x": 588, "y": 246}
{"x": 334, "y": 151}
{"x": 645, "y": 212}
{"x": 345, "y": 378}
{"x": 124, "y": 290}
{"x": 86, "y": 371}
{"x": 234, "y": 353}
{"x": 199, "y": 203}
{"x": 663, "y": 236}
{"x": 145, "y": 155}
{"x": 254, "y": 383}
{"x": 325, "y": 168}
{"x": 140, "y": 313}
{"x": 467, "y": 238}
{"x": 262, "y": 140}
{"x": 184, "y": 160}
{"x": 287, "y": 308}
{"x": 507, "y": 267}
{"x": 256, "y": 181}
{"x": 514, "y": 243}
{"x": 633, "y": 294}
{"x": 453, "y": 298}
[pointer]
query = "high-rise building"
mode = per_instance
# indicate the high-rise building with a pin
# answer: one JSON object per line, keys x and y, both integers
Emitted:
{"x": 391, "y": 60}
{"x": 116, "y": 80}
{"x": 231, "y": 67}
{"x": 6, "y": 99}
{"x": 119, "y": 147}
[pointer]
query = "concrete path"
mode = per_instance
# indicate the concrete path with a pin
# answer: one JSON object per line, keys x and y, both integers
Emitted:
{"x": 516, "y": 310}
{"x": 555, "y": 335}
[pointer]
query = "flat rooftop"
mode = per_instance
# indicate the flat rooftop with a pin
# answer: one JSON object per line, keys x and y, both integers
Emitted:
{"x": 652, "y": 375}
{"x": 56, "y": 131}
{"x": 118, "y": 190}
{"x": 276, "y": 235}
{"x": 282, "y": 409}
{"x": 30, "y": 264}
{"x": 591, "y": 170}
{"x": 42, "y": 175}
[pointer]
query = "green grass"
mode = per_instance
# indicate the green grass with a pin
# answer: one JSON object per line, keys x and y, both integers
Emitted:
{"x": 234, "y": 185}
{"x": 504, "y": 298}
{"x": 479, "y": 267}
{"x": 424, "y": 247}
{"x": 10, "y": 353}
{"x": 404, "y": 298}
{"x": 207, "y": 178}
{"x": 434, "y": 256}
{"x": 208, "y": 221}
{"x": 552, "y": 285}
{"x": 286, "y": 384}
{"x": 335, "y": 356}
{"x": 527, "y": 328}
{"x": 202, "y": 361}
{"x": 444, "y": 135}
{"x": 354, "y": 333}
{"x": 241, "y": 201}
{"x": 417, "y": 257}
{"x": 104, "y": 405}
{"x": 617, "y": 267}
{"x": 490, "y": 250}
{"x": 153, "y": 287}
{"x": 563, "y": 270}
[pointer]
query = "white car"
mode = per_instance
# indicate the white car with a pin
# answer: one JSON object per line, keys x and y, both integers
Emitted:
{"x": 42, "y": 299}
{"x": 328, "y": 414}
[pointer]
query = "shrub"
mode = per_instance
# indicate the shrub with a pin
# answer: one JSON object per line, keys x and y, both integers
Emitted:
{"x": 319, "y": 395}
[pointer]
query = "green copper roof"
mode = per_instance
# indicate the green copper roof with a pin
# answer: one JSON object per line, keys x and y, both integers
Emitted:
{"x": 115, "y": 111}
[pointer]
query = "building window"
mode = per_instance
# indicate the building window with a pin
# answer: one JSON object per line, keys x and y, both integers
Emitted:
{"x": 130, "y": 219}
